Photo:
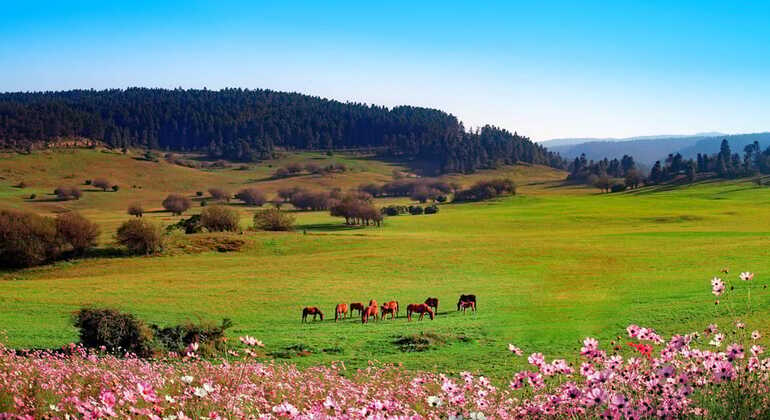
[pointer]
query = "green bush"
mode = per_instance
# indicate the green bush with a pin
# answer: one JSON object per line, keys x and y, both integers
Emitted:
{"x": 140, "y": 236}
{"x": 220, "y": 219}
{"x": 432, "y": 209}
{"x": 190, "y": 225}
{"x": 618, "y": 188}
{"x": 415, "y": 210}
{"x": 273, "y": 220}
{"x": 116, "y": 331}
{"x": 209, "y": 336}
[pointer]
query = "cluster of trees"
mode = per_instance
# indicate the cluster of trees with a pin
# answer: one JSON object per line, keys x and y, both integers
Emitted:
{"x": 248, "y": 125}
{"x": 296, "y": 168}
{"x": 68, "y": 193}
{"x": 396, "y": 210}
{"x": 357, "y": 209}
{"x": 486, "y": 190}
{"x": 27, "y": 239}
{"x": 582, "y": 169}
{"x": 724, "y": 164}
{"x": 420, "y": 190}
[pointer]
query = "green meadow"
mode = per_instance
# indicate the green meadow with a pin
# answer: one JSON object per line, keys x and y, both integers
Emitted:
{"x": 549, "y": 266}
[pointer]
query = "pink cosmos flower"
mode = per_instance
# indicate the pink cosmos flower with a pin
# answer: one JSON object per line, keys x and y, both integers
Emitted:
{"x": 285, "y": 409}
{"x": 755, "y": 335}
{"x": 717, "y": 286}
{"x": 723, "y": 371}
{"x": 756, "y": 350}
{"x": 515, "y": 350}
{"x": 746, "y": 276}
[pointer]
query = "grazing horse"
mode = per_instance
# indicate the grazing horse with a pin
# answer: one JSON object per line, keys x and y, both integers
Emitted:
{"x": 311, "y": 310}
{"x": 340, "y": 311}
{"x": 371, "y": 311}
{"x": 420, "y": 308}
{"x": 469, "y": 304}
{"x": 467, "y": 298}
{"x": 356, "y": 306}
{"x": 389, "y": 308}
{"x": 433, "y": 303}
{"x": 373, "y": 302}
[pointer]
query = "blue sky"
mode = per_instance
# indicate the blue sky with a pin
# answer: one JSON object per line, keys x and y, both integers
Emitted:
{"x": 544, "y": 69}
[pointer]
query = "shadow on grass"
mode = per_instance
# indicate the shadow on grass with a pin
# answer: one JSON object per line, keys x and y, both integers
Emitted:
{"x": 327, "y": 227}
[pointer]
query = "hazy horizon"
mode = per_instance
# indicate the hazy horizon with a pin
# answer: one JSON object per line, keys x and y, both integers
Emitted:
{"x": 546, "y": 71}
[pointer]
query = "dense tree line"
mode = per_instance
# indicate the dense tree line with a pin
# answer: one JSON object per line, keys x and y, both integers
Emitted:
{"x": 248, "y": 125}
{"x": 724, "y": 164}
{"x": 582, "y": 169}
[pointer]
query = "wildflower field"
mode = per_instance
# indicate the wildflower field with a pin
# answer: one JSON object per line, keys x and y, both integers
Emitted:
{"x": 552, "y": 266}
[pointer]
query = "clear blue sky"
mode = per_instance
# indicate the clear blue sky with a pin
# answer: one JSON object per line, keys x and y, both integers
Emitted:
{"x": 545, "y": 69}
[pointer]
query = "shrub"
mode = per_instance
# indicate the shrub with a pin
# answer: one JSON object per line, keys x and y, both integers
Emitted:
{"x": 190, "y": 225}
{"x": 115, "y": 188}
{"x": 140, "y": 236}
{"x": 310, "y": 200}
{"x": 176, "y": 203}
{"x": 423, "y": 193}
{"x": 373, "y": 189}
{"x": 219, "y": 194}
{"x": 204, "y": 203}
{"x": 220, "y": 219}
{"x": 287, "y": 193}
{"x": 68, "y": 193}
{"x": 441, "y": 198}
{"x": 101, "y": 183}
{"x": 281, "y": 173}
{"x": 273, "y": 220}
{"x": 21, "y": 184}
{"x": 394, "y": 210}
{"x": 618, "y": 188}
{"x": 32, "y": 196}
{"x": 135, "y": 209}
{"x": 294, "y": 167}
{"x": 116, "y": 331}
{"x": 313, "y": 168}
{"x": 27, "y": 239}
{"x": 432, "y": 209}
{"x": 76, "y": 231}
{"x": 87, "y": 182}
{"x": 199, "y": 193}
{"x": 209, "y": 337}
{"x": 415, "y": 210}
{"x": 251, "y": 196}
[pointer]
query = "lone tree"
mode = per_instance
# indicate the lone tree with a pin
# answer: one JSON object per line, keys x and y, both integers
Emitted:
{"x": 135, "y": 209}
{"x": 219, "y": 194}
{"x": 140, "y": 236}
{"x": 176, "y": 203}
{"x": 77, "y": 231}
{"x": 273, "y": 220}
{"x": 101, "y": 183}
{"x": 251, "y": 196}
{"x": 220, "y": 219}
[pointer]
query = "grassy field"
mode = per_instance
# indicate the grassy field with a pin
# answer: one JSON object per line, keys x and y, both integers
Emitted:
{"x": 549, "y": 266}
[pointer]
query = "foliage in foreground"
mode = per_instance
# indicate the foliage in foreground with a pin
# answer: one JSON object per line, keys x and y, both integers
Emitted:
{"x": 714, "y": 374}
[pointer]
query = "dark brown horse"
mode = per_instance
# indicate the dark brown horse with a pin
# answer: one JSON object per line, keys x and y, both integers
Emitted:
{"x": 389, "y": 308}
{"x": 371, "y": 311}
{"x": 311, "y": 310}
{"x": 433, "y": 303}
{"x": 340, "y": 311}
{"x": 466, "y": 305}
{"x": 467, "y": 298}
{"x": 419, "y": 308}
{"x": 356, "y": 306}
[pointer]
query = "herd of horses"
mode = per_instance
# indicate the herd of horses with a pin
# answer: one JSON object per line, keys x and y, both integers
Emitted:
{"x": 392, "y": 308}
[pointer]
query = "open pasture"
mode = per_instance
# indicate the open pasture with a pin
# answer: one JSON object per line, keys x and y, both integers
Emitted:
{"x": 549, "y": 266}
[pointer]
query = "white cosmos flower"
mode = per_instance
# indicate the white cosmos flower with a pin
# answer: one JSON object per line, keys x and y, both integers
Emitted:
{"x": 434, "y": 401}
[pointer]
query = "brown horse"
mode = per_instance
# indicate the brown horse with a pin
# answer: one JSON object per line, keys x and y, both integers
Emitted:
{"x": 311, "y": 310}
{"x": 371, "y": 311}
{"x": 468, "y": 304}
{"x": 467, "y": 298}
{"x": 420, "y": 308}
{"x": 373, "y": 302}
{"x": 389, "y": 308}
{"x": 356, "y": 306}
{"x": 433, "y": 303}
{"x": 340, "y": 311}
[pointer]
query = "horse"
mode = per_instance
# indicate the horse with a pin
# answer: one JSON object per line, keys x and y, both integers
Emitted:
{"x": 311, "y": 310}
{"x": 420, "y": 308}
{"x": 340, "y": 311}
{"x": 371, "y": 311}
{"x": 433, "y": 303}
{"x": 467, "y": 298}
{"x": 469, "y": 304}
{"x": 356, "y": 306}
{"x": 394, "y": 304}
{"x": 389, "y": 308}
{"x": 373, "y": 302}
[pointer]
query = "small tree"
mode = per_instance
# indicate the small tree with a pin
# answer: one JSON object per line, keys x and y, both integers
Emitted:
{"x": 603, "y": 183}
{"x": 176, "y": 203}
{"x": 219, "y": 194}
{"x": 273, "y": 220}
{"x": 77, "y": 231}
{"x": 294, "y": 167}
{"x": 101, "y": 183}
{"x": 27, "y": 239}
{"x": 251, "y": 196}
{"x": 135, "y": 209}
{"x": 140, "y": 236}
{"x": 220, "y": 219}
{"x": 281, "y": 173}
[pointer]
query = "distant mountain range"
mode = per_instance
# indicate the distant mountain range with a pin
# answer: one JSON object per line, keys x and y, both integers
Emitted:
{"x": 647, "y": 149}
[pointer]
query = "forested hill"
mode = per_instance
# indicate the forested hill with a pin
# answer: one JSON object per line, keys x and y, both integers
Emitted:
{"x": 248, "y": 125}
